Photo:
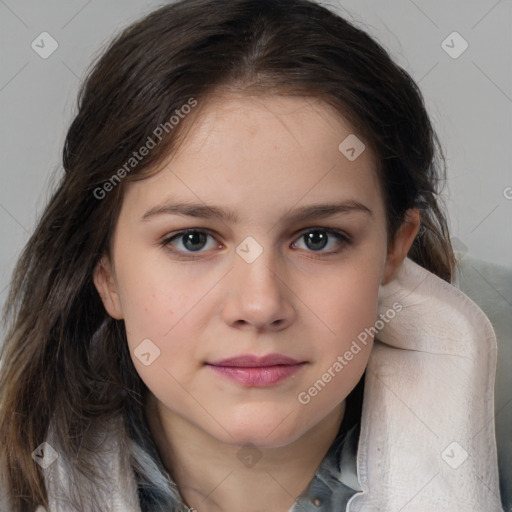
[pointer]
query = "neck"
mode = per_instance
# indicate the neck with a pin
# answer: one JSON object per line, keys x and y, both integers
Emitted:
{"x": 214, "y": 476}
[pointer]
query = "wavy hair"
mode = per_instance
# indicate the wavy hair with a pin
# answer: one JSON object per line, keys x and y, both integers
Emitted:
{"x": 65, "y": 362}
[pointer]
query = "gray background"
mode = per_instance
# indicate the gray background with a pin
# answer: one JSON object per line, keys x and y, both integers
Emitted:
{"x": 469, "y": 99}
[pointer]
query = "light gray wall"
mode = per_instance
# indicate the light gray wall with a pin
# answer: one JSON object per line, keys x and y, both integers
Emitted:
{"x": 469, "y": 98}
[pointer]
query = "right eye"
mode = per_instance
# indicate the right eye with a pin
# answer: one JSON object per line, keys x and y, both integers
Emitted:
{"x": 190, "y": 241}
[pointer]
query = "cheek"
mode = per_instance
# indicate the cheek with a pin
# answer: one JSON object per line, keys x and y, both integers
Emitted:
{"x": 347, "y": 304}
{"x": 346, "y": 299}
{"x": 159, "y": 322}
{"x": 154, "y": 294}
{"x": 158, "y": 305}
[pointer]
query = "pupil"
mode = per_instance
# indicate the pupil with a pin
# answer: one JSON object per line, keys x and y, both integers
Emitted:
{"x": 194, "y": 241}
{"x": 316, "y": 240}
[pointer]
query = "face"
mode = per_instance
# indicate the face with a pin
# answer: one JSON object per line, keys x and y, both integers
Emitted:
{"x": 259, "y": 238}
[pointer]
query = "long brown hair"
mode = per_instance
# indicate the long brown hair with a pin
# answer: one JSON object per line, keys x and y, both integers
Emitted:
{"x": 65, "y": 361}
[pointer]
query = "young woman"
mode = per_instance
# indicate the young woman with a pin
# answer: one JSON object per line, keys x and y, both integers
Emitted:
{"x": 239, "y": 297}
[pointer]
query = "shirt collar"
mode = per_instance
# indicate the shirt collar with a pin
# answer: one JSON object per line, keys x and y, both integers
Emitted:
{"x": 335, "y": 480}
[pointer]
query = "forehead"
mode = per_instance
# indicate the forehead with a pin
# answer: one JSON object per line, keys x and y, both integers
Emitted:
{"x": 263, "y": 153}
{"x": 239, "y": 122}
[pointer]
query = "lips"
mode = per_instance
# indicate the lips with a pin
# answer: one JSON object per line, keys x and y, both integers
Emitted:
{"x": 254, "y": 371}
{"x": 251, "y": 361}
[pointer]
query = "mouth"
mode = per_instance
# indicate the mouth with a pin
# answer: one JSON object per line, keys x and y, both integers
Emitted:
{"x": 254, "y": 371}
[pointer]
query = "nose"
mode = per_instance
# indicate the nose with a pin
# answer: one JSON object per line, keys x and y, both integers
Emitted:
{"x": 258, "y": 295}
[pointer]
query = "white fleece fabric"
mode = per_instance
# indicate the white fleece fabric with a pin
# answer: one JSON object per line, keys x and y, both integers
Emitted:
{"x": 427, "y": 441}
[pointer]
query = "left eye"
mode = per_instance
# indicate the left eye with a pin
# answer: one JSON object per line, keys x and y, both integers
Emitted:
{"x": 319, "y": 239}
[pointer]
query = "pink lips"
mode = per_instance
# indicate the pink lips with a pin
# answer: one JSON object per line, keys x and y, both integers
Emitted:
{"x": 256, "y": 371}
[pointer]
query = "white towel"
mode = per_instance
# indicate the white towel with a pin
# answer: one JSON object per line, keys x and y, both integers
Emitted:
{"x": 427, "y": 429}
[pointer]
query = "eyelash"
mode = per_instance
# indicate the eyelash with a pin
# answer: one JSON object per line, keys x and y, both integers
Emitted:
{"x": 342, "y": 237}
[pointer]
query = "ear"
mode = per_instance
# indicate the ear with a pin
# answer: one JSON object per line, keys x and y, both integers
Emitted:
{"x": 400, "y": 246}
{"x": 104, "y": 280}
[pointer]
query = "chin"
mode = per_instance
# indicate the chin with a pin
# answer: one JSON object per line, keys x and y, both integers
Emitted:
{"x": 260, "y": 431}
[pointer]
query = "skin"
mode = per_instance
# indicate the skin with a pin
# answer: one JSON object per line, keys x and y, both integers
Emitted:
{"x": 262, "y": 157}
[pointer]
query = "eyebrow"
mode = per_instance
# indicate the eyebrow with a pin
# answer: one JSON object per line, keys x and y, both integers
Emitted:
{"x": 295, "y": 215}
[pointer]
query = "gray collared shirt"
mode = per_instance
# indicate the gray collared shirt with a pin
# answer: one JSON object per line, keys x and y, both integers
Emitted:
{"x": 335, "y": 480}
{"x": 334, "y": 483}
